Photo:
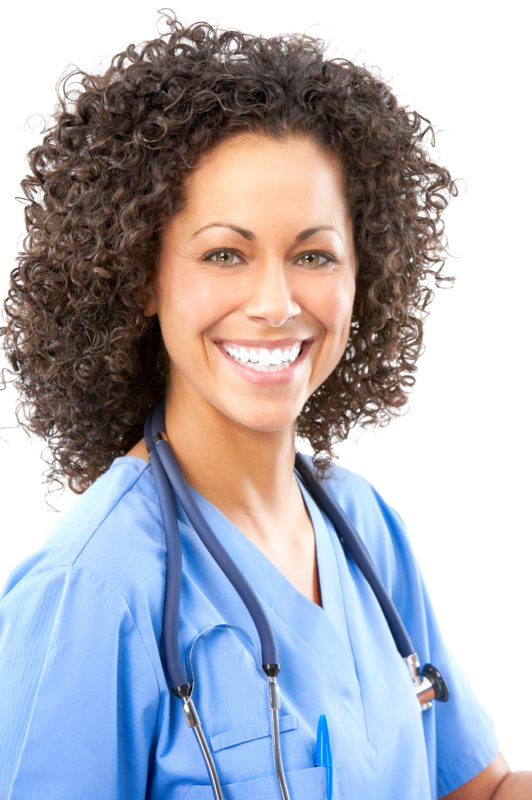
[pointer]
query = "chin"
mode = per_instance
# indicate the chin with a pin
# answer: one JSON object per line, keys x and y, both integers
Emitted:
{"x": 261, "y": 424}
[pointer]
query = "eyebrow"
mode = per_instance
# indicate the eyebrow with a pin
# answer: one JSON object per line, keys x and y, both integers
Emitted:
{"x": 306, "y": 234}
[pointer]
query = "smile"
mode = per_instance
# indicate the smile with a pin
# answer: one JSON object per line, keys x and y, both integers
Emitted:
{"x": 262, "y": 359}
{"x": 266, "y": 363}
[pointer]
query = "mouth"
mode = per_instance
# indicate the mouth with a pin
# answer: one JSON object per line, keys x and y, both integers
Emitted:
{"x": 266, "y": 361}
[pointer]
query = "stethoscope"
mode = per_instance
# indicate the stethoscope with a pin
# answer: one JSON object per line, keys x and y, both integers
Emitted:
{"x": 428, "y": 683}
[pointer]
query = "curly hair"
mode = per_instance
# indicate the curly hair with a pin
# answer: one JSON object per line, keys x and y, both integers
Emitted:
{"x": 110, "y": 173}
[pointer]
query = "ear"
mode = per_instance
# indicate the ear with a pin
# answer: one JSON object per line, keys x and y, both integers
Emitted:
{"x": 148, "y": 301}
{"x": 150, "y": 307}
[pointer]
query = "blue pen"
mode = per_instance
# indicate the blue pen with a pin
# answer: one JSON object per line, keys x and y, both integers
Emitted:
{"x": 323, "y": 753}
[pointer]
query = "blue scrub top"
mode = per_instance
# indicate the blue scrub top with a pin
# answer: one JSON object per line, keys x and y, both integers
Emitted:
{"x": 85, "y": 709}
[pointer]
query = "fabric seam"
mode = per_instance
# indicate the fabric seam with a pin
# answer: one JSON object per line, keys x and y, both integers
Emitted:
{"x": 124, "y": 601}
{"x": 117, "y": 501}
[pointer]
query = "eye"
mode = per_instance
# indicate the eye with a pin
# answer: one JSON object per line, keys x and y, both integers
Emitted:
{"x": 329, "y": 259}
{"x": 317, "y": 253}
{"x": 218, "y": 252}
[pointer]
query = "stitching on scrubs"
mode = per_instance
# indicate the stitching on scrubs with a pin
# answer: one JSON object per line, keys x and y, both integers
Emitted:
{"x": 35, "y": 695}
{"x": 73, "y": 565}
{"x": 65, "y": 570}
{"x": 325, "y": 664}
{"x": 121, "y": 596}
{"x": 311, "y": 504}
{"x": 480, "y": 754}
{"x": 95, "y": 531}
{"x": 120, "y": 459}
{"x": 332, "y": 533}
{"x": 186, "y": 522}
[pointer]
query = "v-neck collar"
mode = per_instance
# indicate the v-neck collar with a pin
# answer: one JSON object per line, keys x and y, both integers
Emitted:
{"x": 324, "y": 628}
{"x": 306, "y": 633}
{"x": 257, "y": 562}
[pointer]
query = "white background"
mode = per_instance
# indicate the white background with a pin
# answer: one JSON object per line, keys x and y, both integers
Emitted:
{"x": 456, "y": 465}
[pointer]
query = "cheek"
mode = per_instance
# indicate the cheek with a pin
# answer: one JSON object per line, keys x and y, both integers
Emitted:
{"x": 190, "y": 305}
{"x": 337, "y": 309}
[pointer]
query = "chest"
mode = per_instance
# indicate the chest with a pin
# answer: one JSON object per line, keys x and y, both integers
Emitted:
{"x": 338, "y": 660}
{"x": 297, "y": 561}
{"x": 349, "y": 672}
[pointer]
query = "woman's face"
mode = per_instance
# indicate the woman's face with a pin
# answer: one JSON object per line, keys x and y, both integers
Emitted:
{"x": 256, "y": 282}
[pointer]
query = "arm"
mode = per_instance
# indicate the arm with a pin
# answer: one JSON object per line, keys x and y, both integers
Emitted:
{"x": 496, "y": 782}
{"x": 78, "y": 695}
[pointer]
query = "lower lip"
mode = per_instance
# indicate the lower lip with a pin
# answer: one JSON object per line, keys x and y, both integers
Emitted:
{"x": 276, "y": 378}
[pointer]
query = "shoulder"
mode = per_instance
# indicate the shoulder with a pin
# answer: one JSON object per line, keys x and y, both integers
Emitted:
{"x": 358, "y": 497}
{"x": 379, "y": 525}
{"x": 112, "y": 532}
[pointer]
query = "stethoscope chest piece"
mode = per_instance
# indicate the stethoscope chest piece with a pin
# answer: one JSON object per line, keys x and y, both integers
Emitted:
{"x": 428, "y": 682}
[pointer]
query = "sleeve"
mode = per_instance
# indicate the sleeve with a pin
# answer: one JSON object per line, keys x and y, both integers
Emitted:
{"x": 78, "y": 693}
{"x": 459, "y": 734}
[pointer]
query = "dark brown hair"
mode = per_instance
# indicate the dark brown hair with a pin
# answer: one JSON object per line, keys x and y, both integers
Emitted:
{"x": 110, "y": 173}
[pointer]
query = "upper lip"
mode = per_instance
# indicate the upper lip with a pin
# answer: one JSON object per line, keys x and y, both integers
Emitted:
{"x": 262, "y": 344}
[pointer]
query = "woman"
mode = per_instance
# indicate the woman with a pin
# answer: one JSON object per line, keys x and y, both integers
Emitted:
{"x": 244, "y": 230}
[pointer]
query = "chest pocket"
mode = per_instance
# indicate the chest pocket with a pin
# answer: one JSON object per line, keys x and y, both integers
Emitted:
{"x": 230, "y": 693}
{"x": 303, "y": 784}
{"x": 287, "y": 722}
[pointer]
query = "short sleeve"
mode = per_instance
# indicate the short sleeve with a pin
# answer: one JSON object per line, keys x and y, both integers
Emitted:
{"x": 460, "y": 735}
{"x": 78, "y": 693}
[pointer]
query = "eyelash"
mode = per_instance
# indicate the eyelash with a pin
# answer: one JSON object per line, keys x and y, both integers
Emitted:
{"x": 330, "y": 259}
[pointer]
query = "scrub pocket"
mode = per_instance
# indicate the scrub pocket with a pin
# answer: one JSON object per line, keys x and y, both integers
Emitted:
{"x": 287, "y": 722}
{"x": 303, "y": 784}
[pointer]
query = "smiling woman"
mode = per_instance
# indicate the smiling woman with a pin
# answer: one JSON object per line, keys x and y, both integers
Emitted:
{"x": 232, "y": 239}
{"x": 218, "y": 317}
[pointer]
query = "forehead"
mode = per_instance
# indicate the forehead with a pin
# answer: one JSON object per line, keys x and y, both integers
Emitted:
{"x": 247, "y": 166}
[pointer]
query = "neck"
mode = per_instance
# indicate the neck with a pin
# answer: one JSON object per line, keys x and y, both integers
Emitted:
{"x": 247, "y": 474}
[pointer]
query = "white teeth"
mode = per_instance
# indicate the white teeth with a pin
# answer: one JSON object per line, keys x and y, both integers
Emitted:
{"x": 262, "y": 359}
{"x": 276, "y": 357}
{"x": 294, "y": 352}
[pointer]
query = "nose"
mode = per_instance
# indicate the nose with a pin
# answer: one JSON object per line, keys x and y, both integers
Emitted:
{"x": 271, "y": 297}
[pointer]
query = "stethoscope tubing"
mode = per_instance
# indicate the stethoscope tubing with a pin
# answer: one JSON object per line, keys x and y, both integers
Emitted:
{"x": 352, "y": 541}
{"x": 163, "y": 451}
{"x": 172, "y": 593}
